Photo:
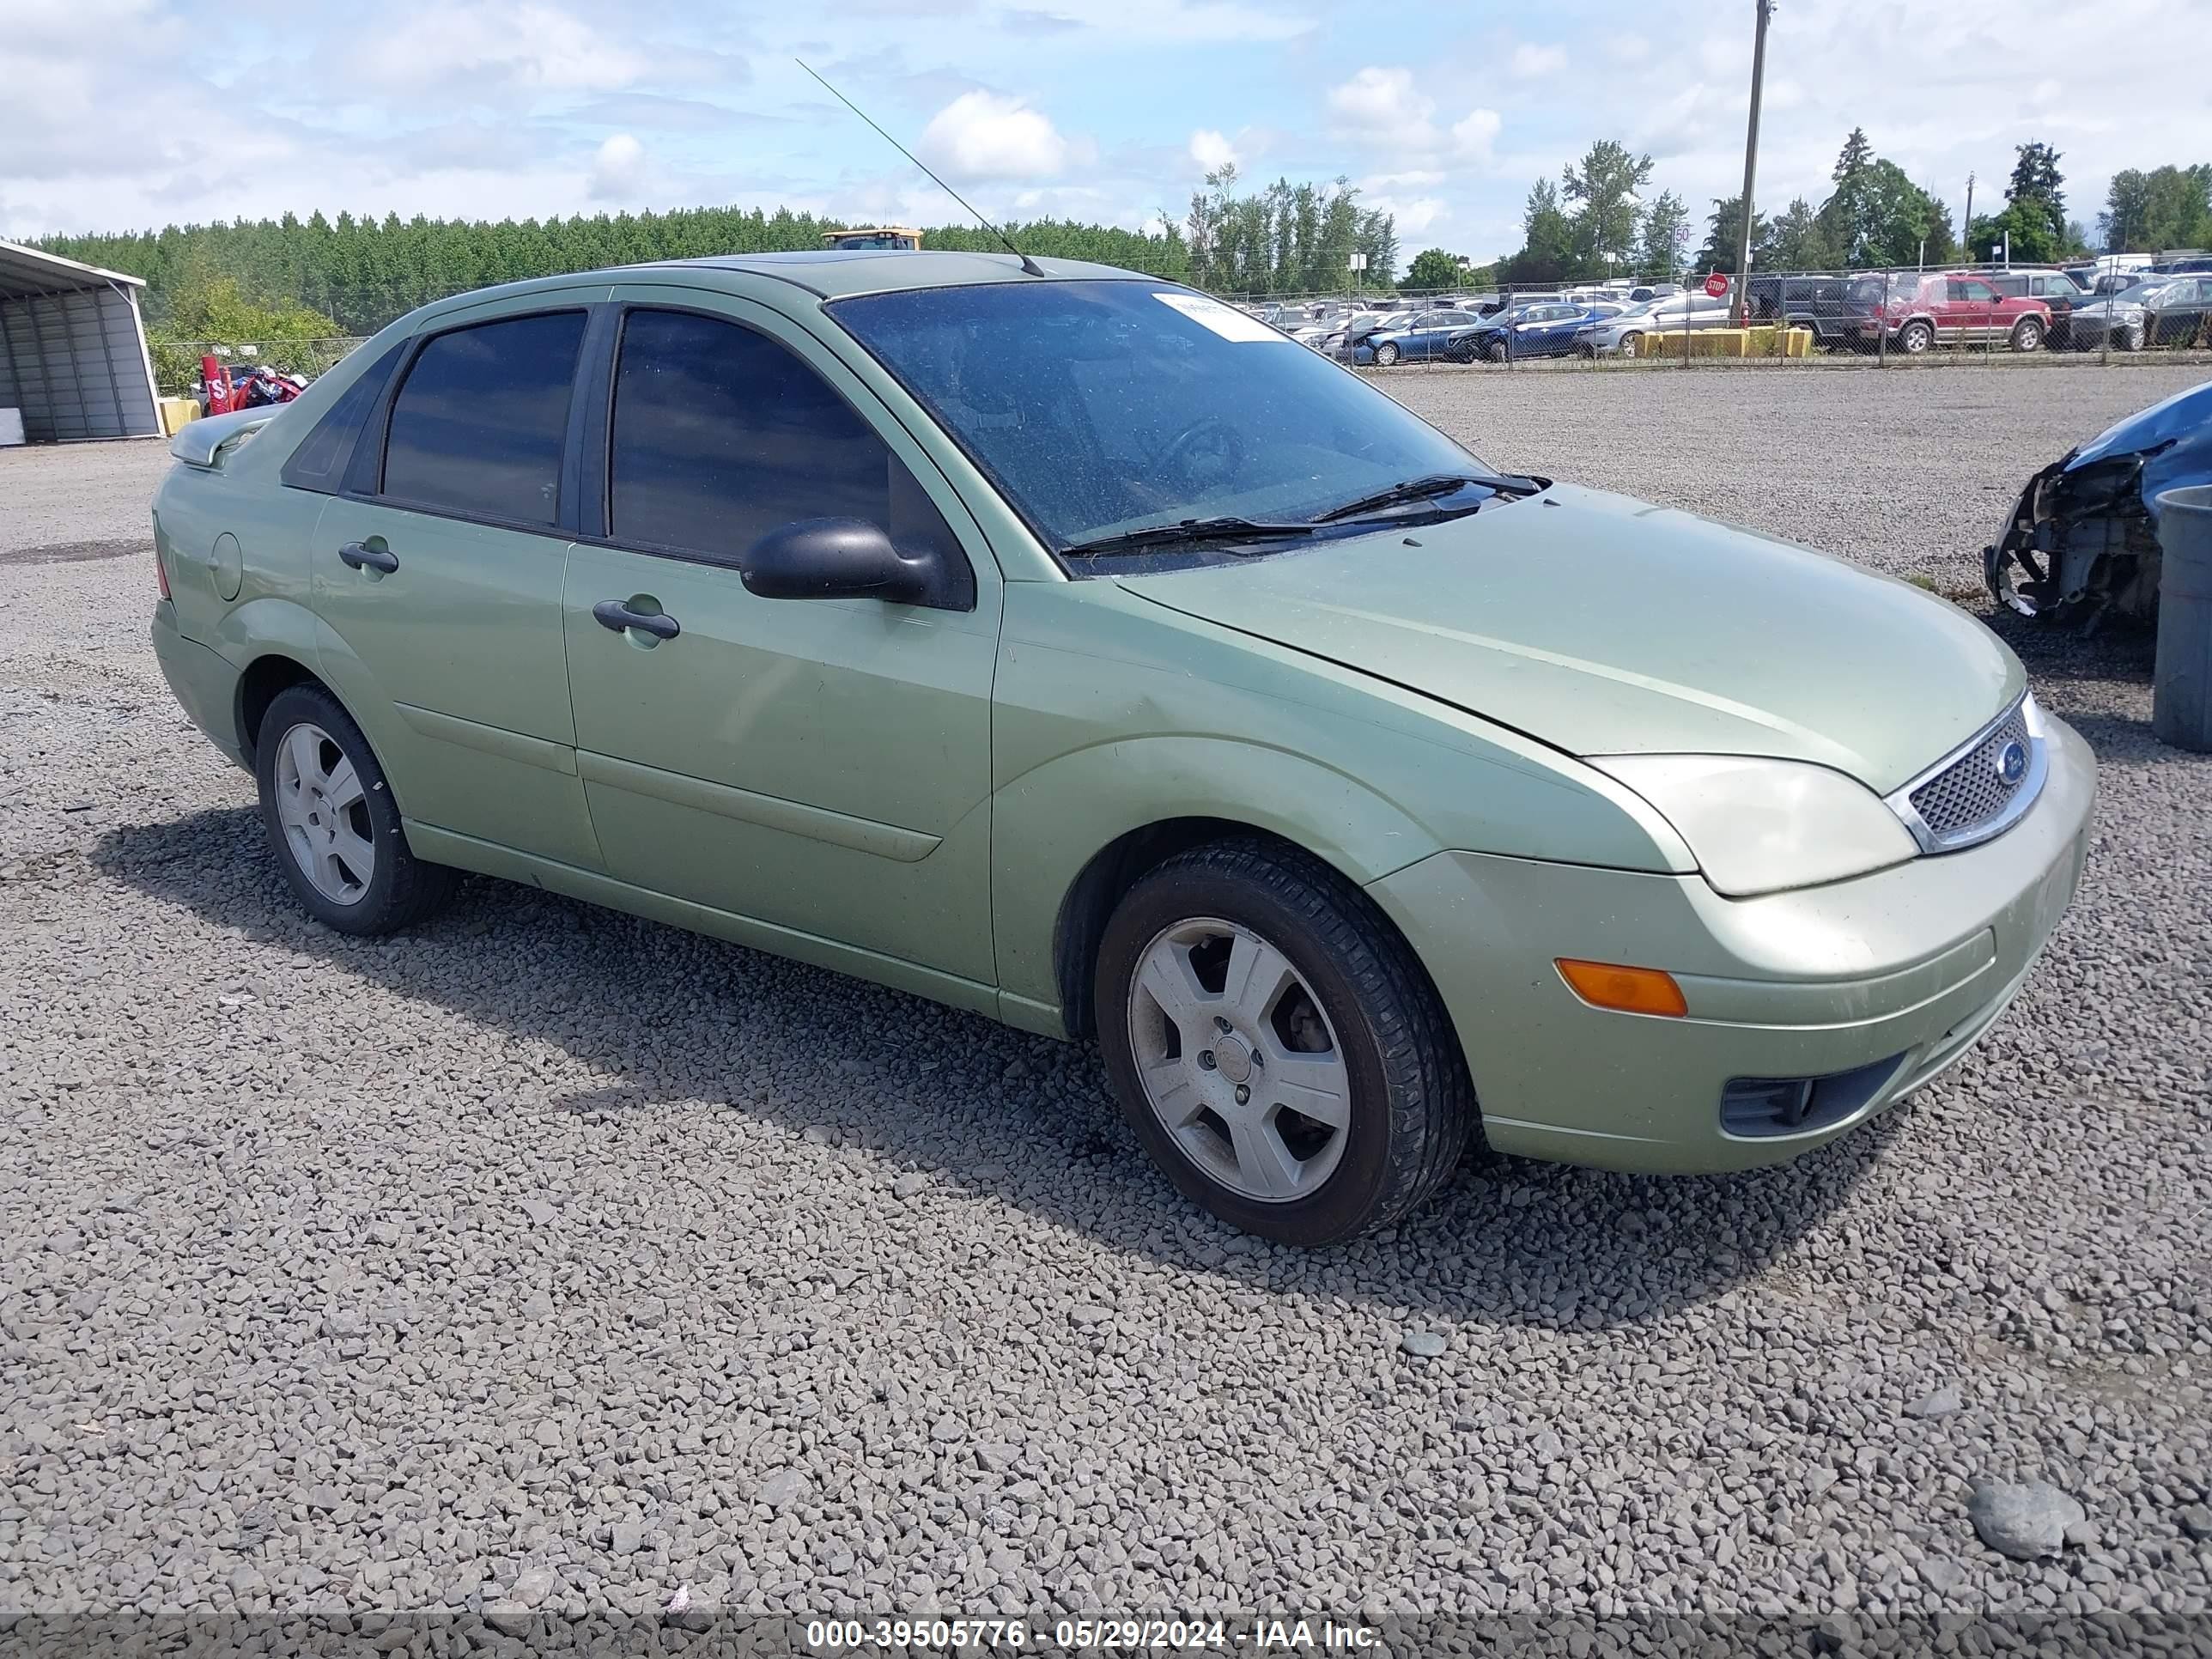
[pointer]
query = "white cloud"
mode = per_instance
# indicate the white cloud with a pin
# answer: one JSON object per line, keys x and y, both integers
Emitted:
{"x": 1383, "y": 109}
{"x": 493, "y": 44}
{"x": 1531, "y": 61}
{"x": 617, "y": 170}
{"x": 982, "y": 135}
{"x": 1211, "y": 150}
{"x": 1474, "y": 137}
{"x": 1382, "y": 106}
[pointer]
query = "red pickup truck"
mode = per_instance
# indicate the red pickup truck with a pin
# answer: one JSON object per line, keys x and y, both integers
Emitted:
{"x": 1956, "y": 307}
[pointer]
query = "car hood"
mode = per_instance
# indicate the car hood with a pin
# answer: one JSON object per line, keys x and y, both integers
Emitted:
{"x": 1603, "y": 625}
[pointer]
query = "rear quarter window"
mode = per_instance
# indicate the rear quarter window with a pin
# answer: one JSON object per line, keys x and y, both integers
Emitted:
{"x": 478, "y": 427}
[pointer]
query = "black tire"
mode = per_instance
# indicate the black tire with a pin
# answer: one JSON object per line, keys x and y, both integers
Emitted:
{"x": 1915, "y": 338}
{"x": 1386, "y": 354}
{"x": 2130, "y": 337}
{"x": 1632, "y": 344}
{"x": 1499, "y": 350}
{"x": 402, "y": 888}
{"x": 2027, "y": 335}
{"x": 1411, "y": 1106}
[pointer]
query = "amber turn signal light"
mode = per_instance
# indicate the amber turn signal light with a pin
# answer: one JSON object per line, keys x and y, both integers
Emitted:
{"x": 1629, "y": 990}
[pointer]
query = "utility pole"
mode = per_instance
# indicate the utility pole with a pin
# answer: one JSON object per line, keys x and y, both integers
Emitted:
{"x": 1750, "y": 168}
{"x": 1966, "y": 230}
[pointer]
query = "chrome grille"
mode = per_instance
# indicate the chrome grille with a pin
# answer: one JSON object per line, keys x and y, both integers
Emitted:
{"x": 1971, "y": 795}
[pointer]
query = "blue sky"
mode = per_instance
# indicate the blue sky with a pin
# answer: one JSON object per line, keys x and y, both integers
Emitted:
{"x": 134, "y": 112}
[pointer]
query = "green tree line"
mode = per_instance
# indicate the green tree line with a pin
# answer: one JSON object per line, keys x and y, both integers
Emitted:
{"x": 357, "y": 274}
{"x": 1285, "y": 239}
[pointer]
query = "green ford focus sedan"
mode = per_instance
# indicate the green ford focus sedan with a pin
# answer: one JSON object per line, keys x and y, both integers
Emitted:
{"x": 1063, "y": 644}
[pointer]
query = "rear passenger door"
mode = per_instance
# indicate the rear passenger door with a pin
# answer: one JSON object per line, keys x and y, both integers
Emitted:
{"x": 819, "y": 767}
{"x": 436, "y": 578}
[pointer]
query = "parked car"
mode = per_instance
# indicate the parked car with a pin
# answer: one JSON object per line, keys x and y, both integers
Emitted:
{"x": 1534, "y": 297}
{"x": 1339, "y": 339}
{"x": 934, "y": 621}
{"x": 1427, "y": 337}
{"x": 2083, "y": 538}
{"x": 1626, "y": 334}
{"x": 1956, "y": 307}
{"x": 1645, "y": 292}
{"x": 1535, "y": 331}
{"x": 2060, "y": 292}
{"x": 1838, "y": 310}
{"x": 2159, "y": 311}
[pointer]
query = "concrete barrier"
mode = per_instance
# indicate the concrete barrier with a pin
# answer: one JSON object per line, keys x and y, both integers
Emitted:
{"x": 176, "y": 413}
{"x": 2181, "y": 693}
{"x": 1727, "y": 342}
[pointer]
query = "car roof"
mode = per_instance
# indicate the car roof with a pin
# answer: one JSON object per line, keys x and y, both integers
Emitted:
{"x": 826, "y": 273}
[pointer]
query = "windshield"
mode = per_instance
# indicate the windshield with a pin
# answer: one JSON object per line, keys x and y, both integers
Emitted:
{"x": 1098, "y": 408}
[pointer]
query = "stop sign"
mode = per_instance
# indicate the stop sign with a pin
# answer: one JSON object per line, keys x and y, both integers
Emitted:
{"x": 1717, "y": 285}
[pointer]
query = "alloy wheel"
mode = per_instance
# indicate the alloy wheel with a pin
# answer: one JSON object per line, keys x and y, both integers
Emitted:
{"x": 1238, "y": 1061}
{"x": 324, "y": 811}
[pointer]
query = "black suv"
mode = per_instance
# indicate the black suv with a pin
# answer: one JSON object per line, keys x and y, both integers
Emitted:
{"x": 1840, "y": 310}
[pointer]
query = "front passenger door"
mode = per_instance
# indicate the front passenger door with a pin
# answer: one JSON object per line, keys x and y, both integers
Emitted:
{"x": 819, "y": 767}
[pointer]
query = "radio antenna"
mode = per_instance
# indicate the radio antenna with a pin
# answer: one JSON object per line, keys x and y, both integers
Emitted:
{"x": 1029, "y": 266}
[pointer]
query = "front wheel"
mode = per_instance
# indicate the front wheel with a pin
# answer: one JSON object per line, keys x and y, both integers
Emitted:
{"x": 1385, "y": 355}
{"x": 1497, "y": 351}
{"x": 1276, "y": 1045}
{"x": 2130, "y": 338}
{"x": 2027, "y": 336}
{"x": 332, "y": 822}
{"x": 1632, "y": 344}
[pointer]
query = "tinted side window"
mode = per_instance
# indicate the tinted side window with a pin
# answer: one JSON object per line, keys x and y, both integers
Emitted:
{"x": 477, "y": 425}
{"x": 320, "y": 463}
{"x": 720, "y": 435}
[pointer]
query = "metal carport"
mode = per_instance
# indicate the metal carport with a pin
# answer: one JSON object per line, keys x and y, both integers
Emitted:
{"x": 73, "y": 349}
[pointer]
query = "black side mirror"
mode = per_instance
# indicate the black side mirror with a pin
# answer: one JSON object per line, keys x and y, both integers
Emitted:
{"x": 834, "y": 559}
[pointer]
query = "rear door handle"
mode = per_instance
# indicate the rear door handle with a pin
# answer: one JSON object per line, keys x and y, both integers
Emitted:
{"x": 614, "y": 615}
{"x": 358, "y": 554}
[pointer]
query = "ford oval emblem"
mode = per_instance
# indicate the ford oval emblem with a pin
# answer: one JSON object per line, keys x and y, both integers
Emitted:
{"x": 2012, "y": 762}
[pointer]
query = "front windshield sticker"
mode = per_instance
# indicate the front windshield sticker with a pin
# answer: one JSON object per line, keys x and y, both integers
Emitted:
{"x": 1227, "y": 321}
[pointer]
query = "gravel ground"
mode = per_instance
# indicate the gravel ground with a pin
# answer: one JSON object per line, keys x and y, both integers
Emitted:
{"x": 554, "y": 1256}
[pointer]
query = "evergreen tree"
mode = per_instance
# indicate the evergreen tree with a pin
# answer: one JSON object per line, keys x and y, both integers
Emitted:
{"x": 1604, "y": 191}
{"x": 2036, "y": 190}
{"x": 1665, "y": 237}
{"x": 1723, "y": 229}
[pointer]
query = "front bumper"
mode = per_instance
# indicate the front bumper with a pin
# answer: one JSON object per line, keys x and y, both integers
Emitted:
{"x": 1911, "y": 963}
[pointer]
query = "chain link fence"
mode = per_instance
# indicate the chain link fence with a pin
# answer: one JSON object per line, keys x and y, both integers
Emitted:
{"x": 1980, "y": 314}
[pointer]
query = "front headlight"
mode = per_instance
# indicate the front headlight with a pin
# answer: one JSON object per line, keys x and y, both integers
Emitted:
{"x": 1760, "y": 826}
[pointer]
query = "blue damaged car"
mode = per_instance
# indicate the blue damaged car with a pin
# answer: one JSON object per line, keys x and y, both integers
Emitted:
{"x": 2083, "y": 538}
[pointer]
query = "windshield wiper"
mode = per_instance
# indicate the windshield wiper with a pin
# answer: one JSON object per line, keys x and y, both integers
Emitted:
{"x": 1420, "y": 489}
{"x": 1189, "y": 530}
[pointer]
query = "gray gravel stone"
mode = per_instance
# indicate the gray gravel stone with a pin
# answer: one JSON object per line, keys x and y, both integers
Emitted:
{"x": 297, "y": 1167}
{"x": 1943, "y": 1402}
{"x": 2023, "y": 1520}
{"x": 1424, "y": 1345}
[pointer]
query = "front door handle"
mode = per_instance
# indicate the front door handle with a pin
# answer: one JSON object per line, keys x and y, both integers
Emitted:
{"x": 615, "y": 615}
{"x": 361, "y": 554}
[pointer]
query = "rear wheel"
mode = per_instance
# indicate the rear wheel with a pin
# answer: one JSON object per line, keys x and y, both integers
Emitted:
{"x": 332, "y": 822}
{"x": 2027, "y": 335}
{"x": 1915, "y": 338}
{"x": 1386, "y": 354}
{"x": 1276, "y": 1047}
